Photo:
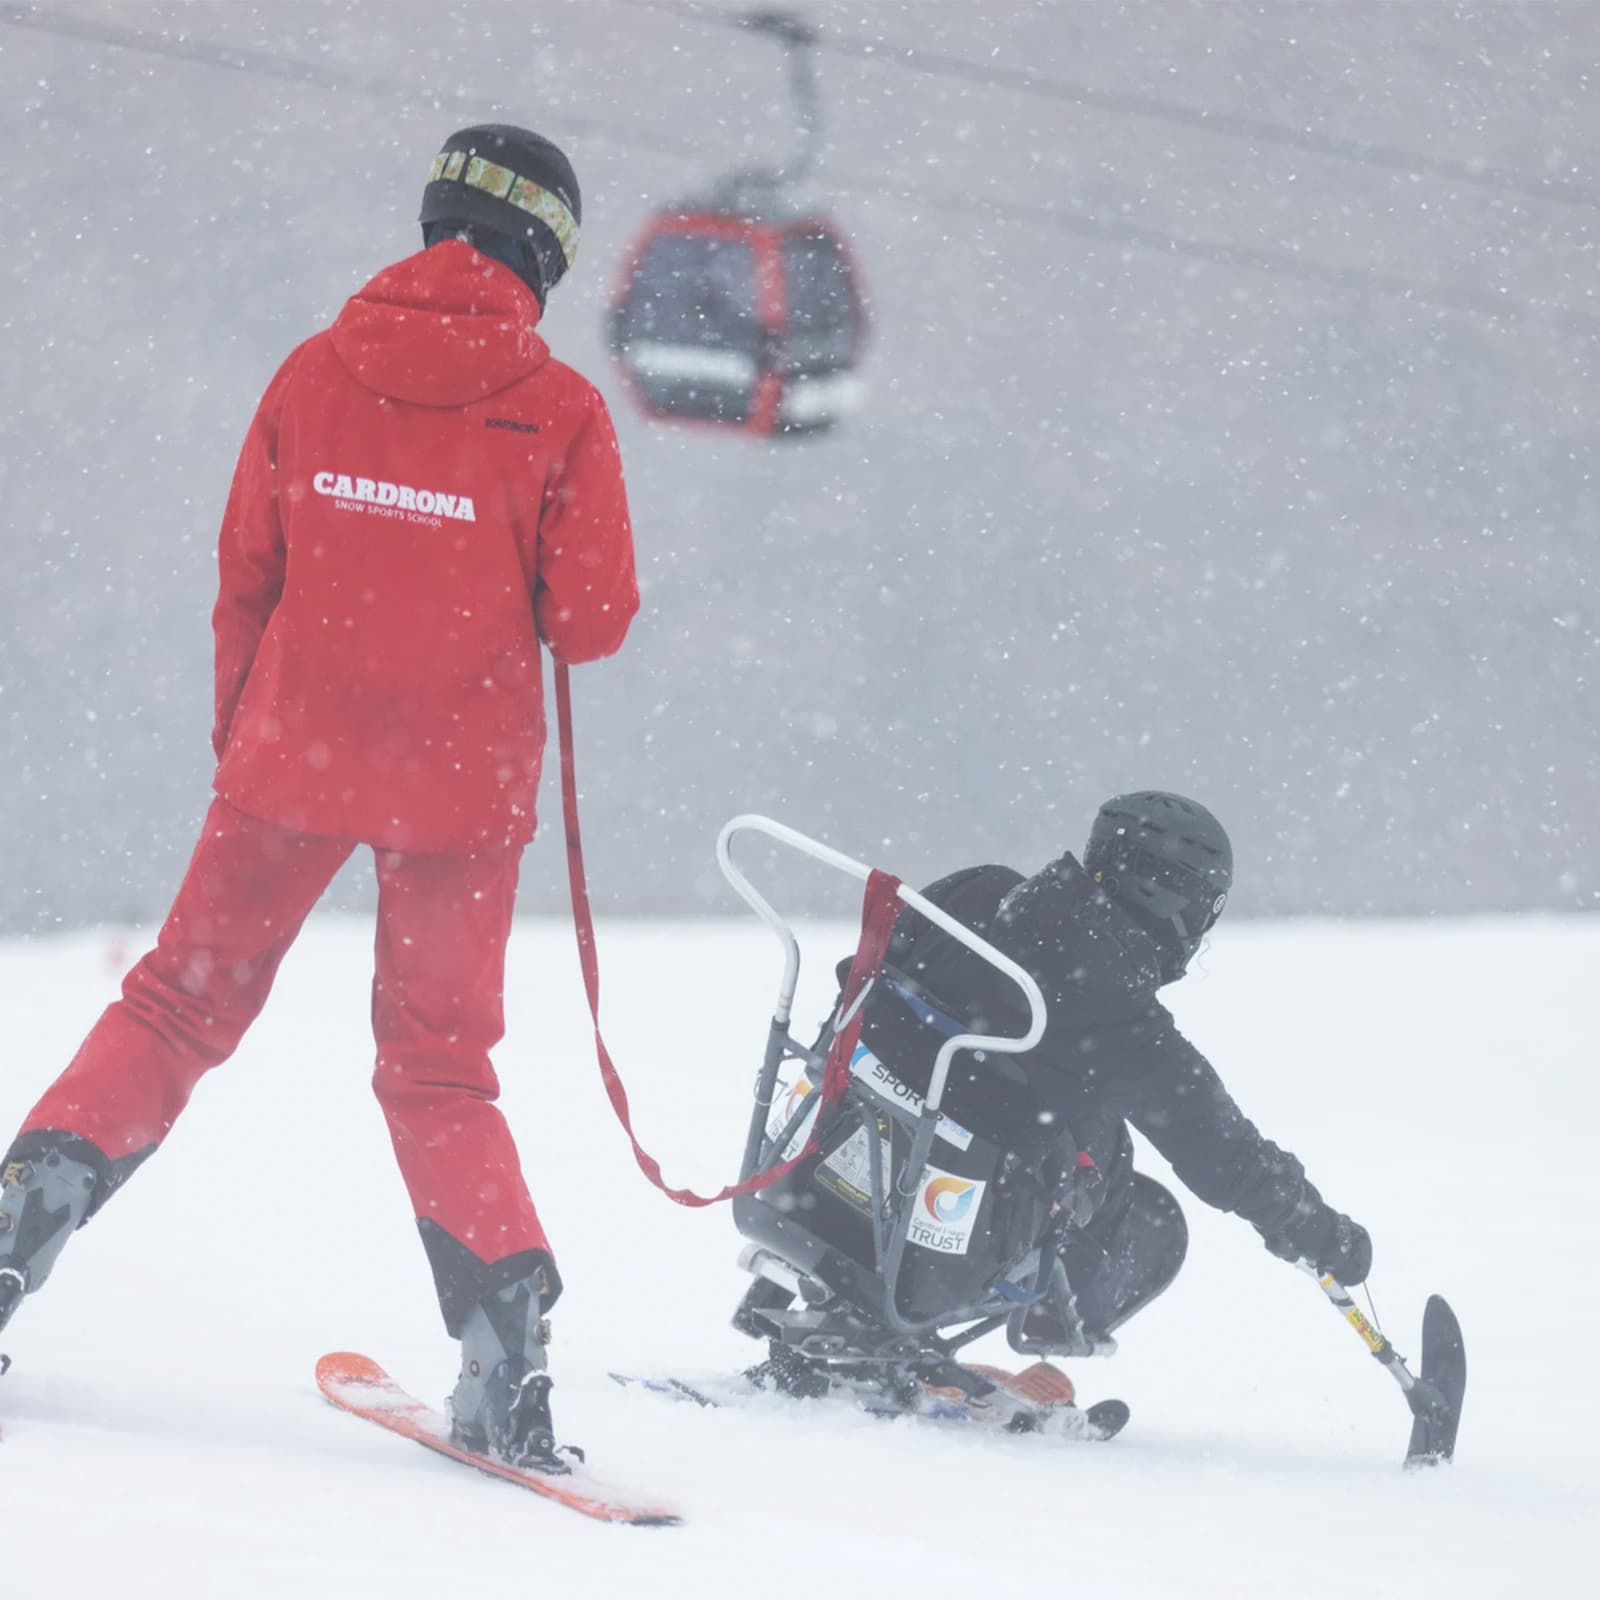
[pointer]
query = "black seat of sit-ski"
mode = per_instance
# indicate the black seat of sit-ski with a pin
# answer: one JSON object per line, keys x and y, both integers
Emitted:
{"x": 980, "y": 1203}
{"x": 904, "y": 1025}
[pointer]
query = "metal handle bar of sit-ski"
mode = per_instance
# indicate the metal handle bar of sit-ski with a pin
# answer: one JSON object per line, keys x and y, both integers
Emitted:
{"x": 1001, "y": 1043}
{"x": 780, "y": 1043}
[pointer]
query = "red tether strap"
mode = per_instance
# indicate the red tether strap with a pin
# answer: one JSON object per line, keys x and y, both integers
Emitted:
{"x": 879, "y": 907}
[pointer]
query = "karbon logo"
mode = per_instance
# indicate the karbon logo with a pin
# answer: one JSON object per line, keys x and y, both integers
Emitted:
{"x": 785, "y": 1106}
{"x": 948, "y": 1199}
{"x": 796, "y": 1098}
{"x": 393, "y": 499}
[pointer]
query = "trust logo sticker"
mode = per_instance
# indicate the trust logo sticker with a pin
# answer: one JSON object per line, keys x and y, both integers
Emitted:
{"x": 946, "y": 1212}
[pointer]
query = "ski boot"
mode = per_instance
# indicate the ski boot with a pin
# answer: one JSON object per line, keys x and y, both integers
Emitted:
{"x": 44, "y": 1195}
{"x": 501, "y": 1404}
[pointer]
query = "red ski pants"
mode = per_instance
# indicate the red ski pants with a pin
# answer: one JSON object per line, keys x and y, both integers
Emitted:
{"x": 443, "y": 922}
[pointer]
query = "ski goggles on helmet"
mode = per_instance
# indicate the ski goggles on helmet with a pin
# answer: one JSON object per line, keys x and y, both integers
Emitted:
{"x": 1188, "y": 897}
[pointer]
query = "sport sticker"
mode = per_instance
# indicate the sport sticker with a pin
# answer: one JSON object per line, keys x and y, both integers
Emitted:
{"x": 945, "y": 1212}
{"x": 871, "y": 1071}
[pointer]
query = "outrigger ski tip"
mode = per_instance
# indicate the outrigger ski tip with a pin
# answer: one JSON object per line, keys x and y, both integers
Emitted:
{"x": 1435, "y": 1399}
{"x": 1435, "y": 1391}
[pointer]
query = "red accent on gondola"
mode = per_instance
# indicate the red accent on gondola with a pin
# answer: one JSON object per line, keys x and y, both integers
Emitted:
{"x": 769, "y": 305}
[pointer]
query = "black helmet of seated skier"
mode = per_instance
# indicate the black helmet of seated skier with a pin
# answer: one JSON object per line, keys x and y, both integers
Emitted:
{"x": 1167, "y": 860}
{"x": 513, "y": 194}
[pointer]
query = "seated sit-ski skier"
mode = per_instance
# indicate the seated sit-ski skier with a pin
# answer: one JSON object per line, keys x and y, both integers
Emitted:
{"x": 1102, "y": 938}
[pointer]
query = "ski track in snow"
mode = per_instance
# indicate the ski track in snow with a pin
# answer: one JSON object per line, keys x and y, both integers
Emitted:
{"x": 163, "y": 1434}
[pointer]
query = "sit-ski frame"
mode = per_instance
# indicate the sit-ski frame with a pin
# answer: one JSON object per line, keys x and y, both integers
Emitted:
{"x": 890, "y": 1223}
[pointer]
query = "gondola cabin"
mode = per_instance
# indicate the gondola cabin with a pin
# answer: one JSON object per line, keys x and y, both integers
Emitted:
{"x": 738, "y": 321}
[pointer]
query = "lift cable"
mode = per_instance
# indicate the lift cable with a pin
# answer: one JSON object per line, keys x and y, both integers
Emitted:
{"x": 1256, "y": 130}
{"x": 1430, "y": 294}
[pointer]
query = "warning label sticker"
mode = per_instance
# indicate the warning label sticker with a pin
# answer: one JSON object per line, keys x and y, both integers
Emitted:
{"x": 847, "y": 1171}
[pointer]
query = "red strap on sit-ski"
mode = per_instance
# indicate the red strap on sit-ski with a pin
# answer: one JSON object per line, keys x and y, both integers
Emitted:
{"x": 879, "y": 907}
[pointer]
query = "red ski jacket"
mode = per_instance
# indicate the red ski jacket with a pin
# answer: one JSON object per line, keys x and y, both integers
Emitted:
{"x": 424, "y": 496}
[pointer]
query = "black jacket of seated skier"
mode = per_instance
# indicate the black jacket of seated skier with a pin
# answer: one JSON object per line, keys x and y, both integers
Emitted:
{"x": 1101, "y": 940}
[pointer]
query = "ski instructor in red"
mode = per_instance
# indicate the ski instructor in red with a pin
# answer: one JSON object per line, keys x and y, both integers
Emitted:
{"x": 425, "y": 496}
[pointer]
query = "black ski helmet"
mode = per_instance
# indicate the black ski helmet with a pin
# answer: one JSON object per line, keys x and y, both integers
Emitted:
{"x": 512, "y": 183}
{"x": 1165, "y": 858}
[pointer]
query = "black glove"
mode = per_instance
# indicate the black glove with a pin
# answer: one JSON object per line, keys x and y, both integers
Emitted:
{"x": 1329, "y": 1240}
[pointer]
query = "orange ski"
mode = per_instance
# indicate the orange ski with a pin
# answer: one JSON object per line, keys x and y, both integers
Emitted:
{"x": 1042, "y": 1384}
{"x": 357, "y": 1384}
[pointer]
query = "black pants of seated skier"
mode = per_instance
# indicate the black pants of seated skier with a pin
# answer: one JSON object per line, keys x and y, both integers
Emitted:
{"x": 1128, "y": 1253}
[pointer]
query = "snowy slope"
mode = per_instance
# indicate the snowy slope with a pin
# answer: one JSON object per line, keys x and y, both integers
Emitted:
{"x": 162, "y": 1433}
